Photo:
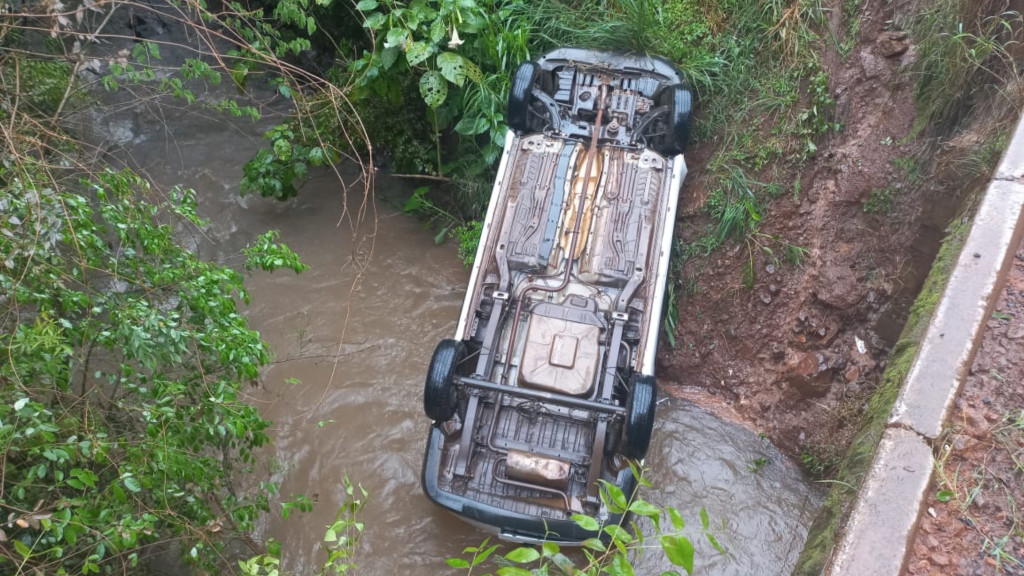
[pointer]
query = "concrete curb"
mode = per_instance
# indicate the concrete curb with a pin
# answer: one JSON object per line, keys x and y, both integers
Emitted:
{"x": 877, "y": 535}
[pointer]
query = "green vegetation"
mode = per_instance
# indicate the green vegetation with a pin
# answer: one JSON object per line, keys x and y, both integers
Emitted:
{"x": 964, "y": 58}
{"x": 431, "y": 80}
{"x": 881, "y": 200}
{"x": 851, "y": 13}
{"x": 755, "y": 465}
{"x": 623, "y": 543}
{"x": 960, "y": 487}
{"x": 121, "y": 417}
{"x": 274, "y": 170}
{"x": 819, "y": 460}
{"x": 124, "y": 354}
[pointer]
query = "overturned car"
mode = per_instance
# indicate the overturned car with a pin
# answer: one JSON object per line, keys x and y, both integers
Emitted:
{"x": 548, "y": 386}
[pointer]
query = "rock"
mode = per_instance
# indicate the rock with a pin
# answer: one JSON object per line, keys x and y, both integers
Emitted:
{"x": 810, "y": 374}
{"x": 872, "y": 65}
{"x": 773, "y": 289}
{"x": 838, "y": 287}
{"x": 146, "y": 27}
{"x": 1015, "y": 332}
{"x": 766, "y": 298}
{"x": 892, "y": 44}
{"x": 931, "y": 541}
{"x": 939, "y": 559}
{"x": 852, "y": 373}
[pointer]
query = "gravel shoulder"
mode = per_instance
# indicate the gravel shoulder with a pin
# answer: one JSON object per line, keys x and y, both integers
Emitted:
{"x": 972, "y": 524}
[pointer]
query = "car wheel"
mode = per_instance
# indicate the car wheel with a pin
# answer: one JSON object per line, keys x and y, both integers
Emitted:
{"x": 520, "y": 96}
{"x": 643, "y": 397}
{"x": 440, "y": 397}
{"x": 679, "y": 99}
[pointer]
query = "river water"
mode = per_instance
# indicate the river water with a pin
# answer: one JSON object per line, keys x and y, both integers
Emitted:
{"x": 352, "y": 337}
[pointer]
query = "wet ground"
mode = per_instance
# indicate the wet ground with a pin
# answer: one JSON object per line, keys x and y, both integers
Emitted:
{"x": 971, "y": 524}
{"x": 352, "y": 338}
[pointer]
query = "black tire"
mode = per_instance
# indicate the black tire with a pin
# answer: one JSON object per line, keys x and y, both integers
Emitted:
{"x": 440, "y": 396}
{"x": 520, "y": 96}
{"x": 679, "y": 98}
{"x": 643, "y": 398}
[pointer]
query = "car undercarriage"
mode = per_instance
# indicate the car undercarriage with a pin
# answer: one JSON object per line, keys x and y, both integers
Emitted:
{"x": 548, "y": 389}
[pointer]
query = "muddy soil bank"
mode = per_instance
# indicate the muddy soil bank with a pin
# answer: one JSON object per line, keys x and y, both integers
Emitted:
{"x": 797, "y": 355}
{"x": 971, "y": 524}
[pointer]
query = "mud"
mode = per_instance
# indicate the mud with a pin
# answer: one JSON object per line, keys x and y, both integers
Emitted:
{"x": 797, "y": 355}
{"x": 352, "y": 337}
{"x": 971, "y": 520}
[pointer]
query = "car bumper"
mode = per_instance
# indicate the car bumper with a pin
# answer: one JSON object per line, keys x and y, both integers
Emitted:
{"x": 507, "y": 525}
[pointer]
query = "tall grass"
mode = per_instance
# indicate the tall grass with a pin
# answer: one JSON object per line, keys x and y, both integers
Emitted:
{"x": 964, "y": 55}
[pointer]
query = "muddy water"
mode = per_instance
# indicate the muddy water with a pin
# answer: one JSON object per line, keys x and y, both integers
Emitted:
{"x": 352, "y": 337}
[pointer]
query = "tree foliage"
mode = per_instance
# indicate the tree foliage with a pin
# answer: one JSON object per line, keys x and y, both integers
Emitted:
{"x": 124, "y": 358}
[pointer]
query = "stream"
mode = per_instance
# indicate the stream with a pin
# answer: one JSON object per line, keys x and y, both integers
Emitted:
{"x": 352, "y": 337}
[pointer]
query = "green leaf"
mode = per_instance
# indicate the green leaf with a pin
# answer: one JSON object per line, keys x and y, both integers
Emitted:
{"x": 644, "y": 509}
{"x": 620, "y": 566}
{"x": 472, "y": 126}
{"x": 679, "y": 551}
{"x": 457, "y": 563}
{"x": 618, "y": 533}
{"x": 21, "y": 548}
{"x": 594, "y": 544}
{"x": 523, "y": 555}
{"x": 586, "y": 522}
{"x": 549, "y": 548}
{"x": 366, "y": 5}
{"x": 677, "y": 519}
{"x": 433, "y": 88}
{"x": 714, "y": 542}
{"x": 705, "y": 520}
{"x": 132, "y": 484}
{"x": 388, "y": 56}
{"x": 513, "y": 571}
{"x": 416, "y": 52}
{"x": 457, "y": 69}
{"x": 944, "y": 496}
{"x": 615, "y": 498}
{"x": 480, "y": 557}
{"x": 395, "y": 37}
{"x": 437, "y": 30}
{"x": 374, "y": 21}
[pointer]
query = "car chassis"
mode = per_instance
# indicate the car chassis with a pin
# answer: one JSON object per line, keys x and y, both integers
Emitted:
{"x": 548, "y": 388}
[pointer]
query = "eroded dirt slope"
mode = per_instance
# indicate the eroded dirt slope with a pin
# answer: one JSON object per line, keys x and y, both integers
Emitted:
{"x": 796, "y": 353}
